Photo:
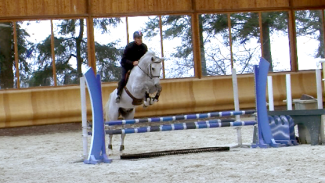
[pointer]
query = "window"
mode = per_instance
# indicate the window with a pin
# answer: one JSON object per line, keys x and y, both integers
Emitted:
{"x": 110, "y": 41}
{"x": 246, "y": 47}
{"x": 215, "y": 47}
{"x": 70, "y": 46}
{"x": 310, "y": 38}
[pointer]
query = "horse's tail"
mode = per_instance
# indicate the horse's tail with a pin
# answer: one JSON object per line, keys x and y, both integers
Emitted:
{"x": 107, "y": 109}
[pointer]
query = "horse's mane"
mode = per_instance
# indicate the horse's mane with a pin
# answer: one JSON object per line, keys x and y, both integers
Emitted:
{"x": 146, "y": 58}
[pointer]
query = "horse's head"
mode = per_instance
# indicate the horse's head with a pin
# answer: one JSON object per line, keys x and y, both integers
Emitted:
{"x": 151, "y": 65}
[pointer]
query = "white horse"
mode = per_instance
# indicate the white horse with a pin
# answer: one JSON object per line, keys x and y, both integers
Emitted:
{"x": 144, "y": 80}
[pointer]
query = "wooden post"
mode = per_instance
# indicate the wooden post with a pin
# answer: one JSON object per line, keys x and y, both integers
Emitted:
{"x": 196, "y": 43}
{"x": 323, "y": 28}
{"x": 90, "y": 37}
{"x": 162, "y": 46}
{"x": 261, "y": 32}
{"x": 16, "y": 53}
{"x": 53, "y": 54}
{"x": 127, "y": 30}
{"x": 292, "y": 39}
{"x": 230, "y": 41}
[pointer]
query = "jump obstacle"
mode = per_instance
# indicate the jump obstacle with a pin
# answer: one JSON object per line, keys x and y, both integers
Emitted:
{"x": 264, "y": 139}
{"x": 310, "y": 121}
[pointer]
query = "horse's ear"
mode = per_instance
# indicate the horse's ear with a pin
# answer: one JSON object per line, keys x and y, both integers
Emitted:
{"x": 152, "y": 59}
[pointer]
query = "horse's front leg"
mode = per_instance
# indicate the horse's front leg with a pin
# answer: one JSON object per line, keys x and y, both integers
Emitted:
{"x": 129, "y": 115}
{"x": 156, "y": 98}
{"x": 109, "y": 146}
{"x": 122, "y": 143}
{"x": 147, "y": 99}
{"x": 113, "y": 114}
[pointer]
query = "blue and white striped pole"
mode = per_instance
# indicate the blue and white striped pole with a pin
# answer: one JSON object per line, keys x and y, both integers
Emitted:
{"x": 181, "y": 126}
{"x": 180, "y": 117}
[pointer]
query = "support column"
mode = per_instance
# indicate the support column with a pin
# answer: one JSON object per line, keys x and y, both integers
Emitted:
{"x": 90, "y": 37}
{"x": 196, "y": 43}
{"x": 292, "y": 40}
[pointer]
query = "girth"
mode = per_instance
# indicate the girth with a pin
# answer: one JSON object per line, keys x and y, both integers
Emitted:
{"x": 135, "y": 101}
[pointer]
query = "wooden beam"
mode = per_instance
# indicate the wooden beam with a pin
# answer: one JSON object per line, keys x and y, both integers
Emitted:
{"x": 50, "y": 9}
{"x": 292, "y": 41}
{"x": 261, "y": 32}
{"x": 230, "y": 41}
{"x": 53, "y": 54}
{"x": 127, "y": 30}
{"x": 16, "y": 53}
{"x": 196, "y": 43}
{"x": 90, "y": 37}
{"x": 323, "y": 29}
{"x": 162, "y": 46}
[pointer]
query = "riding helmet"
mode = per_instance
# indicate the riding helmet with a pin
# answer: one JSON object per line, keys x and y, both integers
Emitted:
{"x": 137, "y": 34}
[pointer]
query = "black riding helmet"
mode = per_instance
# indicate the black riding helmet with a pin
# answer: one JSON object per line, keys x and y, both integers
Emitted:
{"x": 137, "y": 34}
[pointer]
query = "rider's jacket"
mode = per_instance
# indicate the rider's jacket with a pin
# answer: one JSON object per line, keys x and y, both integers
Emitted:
{"x": 132, "y": 52}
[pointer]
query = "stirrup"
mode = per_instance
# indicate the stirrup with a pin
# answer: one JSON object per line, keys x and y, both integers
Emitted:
{"x": 118, "y": 98}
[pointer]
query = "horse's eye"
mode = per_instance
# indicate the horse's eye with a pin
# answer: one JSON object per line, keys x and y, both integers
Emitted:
{"x": 153, "y": 69}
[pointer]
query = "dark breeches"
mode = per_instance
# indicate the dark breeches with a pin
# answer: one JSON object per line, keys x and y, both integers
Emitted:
{"x": 122, "y": 82}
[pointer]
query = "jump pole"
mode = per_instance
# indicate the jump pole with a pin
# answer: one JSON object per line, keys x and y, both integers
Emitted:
{"x": 179, "y": 117}
{"x": 182, "y": 126}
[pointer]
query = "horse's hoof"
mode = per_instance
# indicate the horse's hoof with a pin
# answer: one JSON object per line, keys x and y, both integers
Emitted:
{"x": 109, "y": 146}
{"x": 110, "y": 152}
{"x": 117, "y": 100}
{"x": 121, "y": 148}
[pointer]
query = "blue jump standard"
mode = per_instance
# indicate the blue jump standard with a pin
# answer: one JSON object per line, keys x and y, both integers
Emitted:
{"x": 97, "y": 148}
{"x": 265, "y": 137}
{"x": 180, "y": 117}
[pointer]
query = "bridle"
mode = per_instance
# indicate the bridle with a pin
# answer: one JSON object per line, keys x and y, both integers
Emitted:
{"x": 136, "y": 101}
{"x": 150, "y": 73}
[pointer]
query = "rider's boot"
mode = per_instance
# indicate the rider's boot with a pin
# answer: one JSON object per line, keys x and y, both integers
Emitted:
{"x": 119, "y": 93}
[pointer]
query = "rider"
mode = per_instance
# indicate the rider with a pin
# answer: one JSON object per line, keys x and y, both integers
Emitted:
{"x": 132, "y": 53}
